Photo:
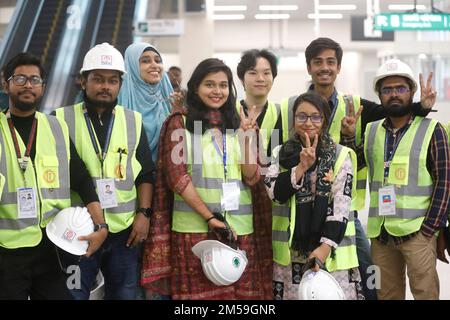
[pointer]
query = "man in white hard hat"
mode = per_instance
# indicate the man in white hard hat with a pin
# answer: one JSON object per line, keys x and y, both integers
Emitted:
{"x": 111, "y": 141}
{"x": 408, "y": 162}
{"x": 41, "y": 166}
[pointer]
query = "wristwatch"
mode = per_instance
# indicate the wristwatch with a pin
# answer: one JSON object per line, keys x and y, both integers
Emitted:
{"x": 100, "y": 226}
{"x": 145, "y": 211}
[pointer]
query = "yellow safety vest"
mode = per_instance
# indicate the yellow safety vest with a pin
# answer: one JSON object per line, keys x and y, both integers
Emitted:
{"x": 125, "y": 135}
{"x": 48, "y": 174}
{"x": 408, "y": 173}
{"x": 283, "y": 227}
{"x": 334, "y": 130}
{"x": 205, "y": 166}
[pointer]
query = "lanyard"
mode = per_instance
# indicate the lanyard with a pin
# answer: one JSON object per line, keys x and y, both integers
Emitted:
{"x": 388, "y": 157}
{"x": 23, "y": 162}
{"x": 223, "y": 154}
{"x": 95, "y": 144}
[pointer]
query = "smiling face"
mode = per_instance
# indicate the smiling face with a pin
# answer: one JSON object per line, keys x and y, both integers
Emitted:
{"x": 324, "y": 68}
{"x": 151, "y": 67}
{"x": 308, "y": 120}
{"x": 214, "y": 89}
{"x": 258, "y": 80}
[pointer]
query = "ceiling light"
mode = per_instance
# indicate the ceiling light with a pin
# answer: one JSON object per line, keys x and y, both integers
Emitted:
{"x": 406, "y": 7}
{"x": 337, "y": 7}
{"x": 325, "y": 16}
{"x": 230, "y": 8}
{"x": 228, "y": 17}
{"x": 278, "y": 8}
{"x": 279, "y": 16}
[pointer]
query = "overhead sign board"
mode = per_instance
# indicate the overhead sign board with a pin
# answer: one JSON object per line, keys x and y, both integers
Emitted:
{"x": 159, "y": 27}
{"x": 412, "y": 21}
{"x": 362, "y": 30}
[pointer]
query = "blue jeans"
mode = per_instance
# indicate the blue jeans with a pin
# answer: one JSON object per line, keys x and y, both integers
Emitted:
{"x": 118, "y": 264}
{"x": 364, "y": 259}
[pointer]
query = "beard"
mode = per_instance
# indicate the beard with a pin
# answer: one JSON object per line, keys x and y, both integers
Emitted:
{"x": 25, "y": 106}
{"x": 99, "y": 104}
{"x": 396, "y": 108}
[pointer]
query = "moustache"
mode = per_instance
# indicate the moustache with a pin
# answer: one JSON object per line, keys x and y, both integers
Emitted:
{"x": 104, "y": 93}
{"x": 27, "y": 92}
{"x": 392, "y": 100}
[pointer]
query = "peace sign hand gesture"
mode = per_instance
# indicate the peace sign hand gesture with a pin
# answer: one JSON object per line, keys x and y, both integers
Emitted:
{"x": 427, "y": 94}
{"x": 348, "y": 123}
{"x": 248, "y": 122}
{"x": 308, "y": 153}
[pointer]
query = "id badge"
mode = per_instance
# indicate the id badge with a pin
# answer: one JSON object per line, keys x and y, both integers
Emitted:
{"x": 107, "y": 193}
{"x": 386, "y": 201}
{"x": 26, "y": 199}
{"x": 230, "y": 196}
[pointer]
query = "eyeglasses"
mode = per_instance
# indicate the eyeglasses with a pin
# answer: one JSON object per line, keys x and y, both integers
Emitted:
{"x": 398, "y": 90}
{"x": 303, "y": 117}
{"x": 21, "y": 80}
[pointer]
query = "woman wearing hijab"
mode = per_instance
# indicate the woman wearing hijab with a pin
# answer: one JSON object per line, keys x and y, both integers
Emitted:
{"x": 198, "y": 155}
{"x": 316, "y": 177}
{"x": 146, "y": 88}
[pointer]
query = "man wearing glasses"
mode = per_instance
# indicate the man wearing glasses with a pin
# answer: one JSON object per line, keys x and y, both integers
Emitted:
{"x": 41, "y": 167}
{"x": 408, "y": 162}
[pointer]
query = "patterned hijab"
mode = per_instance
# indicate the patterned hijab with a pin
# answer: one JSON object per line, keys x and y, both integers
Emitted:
{"x": 151, "y": 100}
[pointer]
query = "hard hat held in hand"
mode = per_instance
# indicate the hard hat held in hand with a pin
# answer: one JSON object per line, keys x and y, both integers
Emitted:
{"x": 221, "y": 264}
{"x": 394, "y": 67}
{"x": 69, "y": 224}
{"x": 319, "y": 286}
{"x": 103, "y": 57}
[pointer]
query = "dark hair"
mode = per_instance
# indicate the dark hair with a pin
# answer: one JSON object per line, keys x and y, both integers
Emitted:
{"x": 197, "y": 109}
{"x": 175, "y": 68}
{"x": 22, "y": 59}
{"x": 248, "y": 61}
{"x": 317, "y": 101}
{"x": 320, "y": 44}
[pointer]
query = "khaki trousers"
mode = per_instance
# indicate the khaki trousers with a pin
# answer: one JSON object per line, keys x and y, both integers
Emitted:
{"x": 418, "y": 257}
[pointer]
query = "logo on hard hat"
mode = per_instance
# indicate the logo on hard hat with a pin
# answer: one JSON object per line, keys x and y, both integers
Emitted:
{"x": 69, "y": 235}
{"x": 106, "y": 60}
{"x": 393, "y": 66}
{"x": 236, "y": 262}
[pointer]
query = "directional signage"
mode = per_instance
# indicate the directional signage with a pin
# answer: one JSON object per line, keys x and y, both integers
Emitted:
{"x": 412, "y": 21}
{"x": 160, "y": 27}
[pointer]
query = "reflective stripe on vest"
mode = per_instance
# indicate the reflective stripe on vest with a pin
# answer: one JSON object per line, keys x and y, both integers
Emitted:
{"x": 125, "y": 135}
{"x": 345, "y": 254}
{"x": 206, "y": 170}
{"x": 408, "y": 173}
{"x": 49, "y": 175}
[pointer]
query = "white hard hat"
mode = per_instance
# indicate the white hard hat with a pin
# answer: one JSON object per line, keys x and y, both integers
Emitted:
{"x": 103, "y": 56}
{"x": 319, "y": 286}
{"x": 394, "y": 67}
{"x": 69, "y": 224}
{"x": 221, "y": 264}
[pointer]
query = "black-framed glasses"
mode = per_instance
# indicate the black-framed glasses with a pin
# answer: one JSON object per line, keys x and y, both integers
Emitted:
{"x": 303, "y": 117}
{"x": 398, "y": 89}
{"x": 21, "y": 80}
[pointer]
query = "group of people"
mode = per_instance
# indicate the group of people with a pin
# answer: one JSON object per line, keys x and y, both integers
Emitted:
{"x": 281, "y": 181}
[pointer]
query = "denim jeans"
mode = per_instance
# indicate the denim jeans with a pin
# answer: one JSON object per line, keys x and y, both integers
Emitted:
{"x": 118, "y": 264}
{"x": 364, "y": 259}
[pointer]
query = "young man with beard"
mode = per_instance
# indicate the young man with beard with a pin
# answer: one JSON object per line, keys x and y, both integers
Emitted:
{"x": 323, "y": 59}
{"x": 112, "y": 142}
{"x": 41, "y": 166}
{"x": 408, "y": 161}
